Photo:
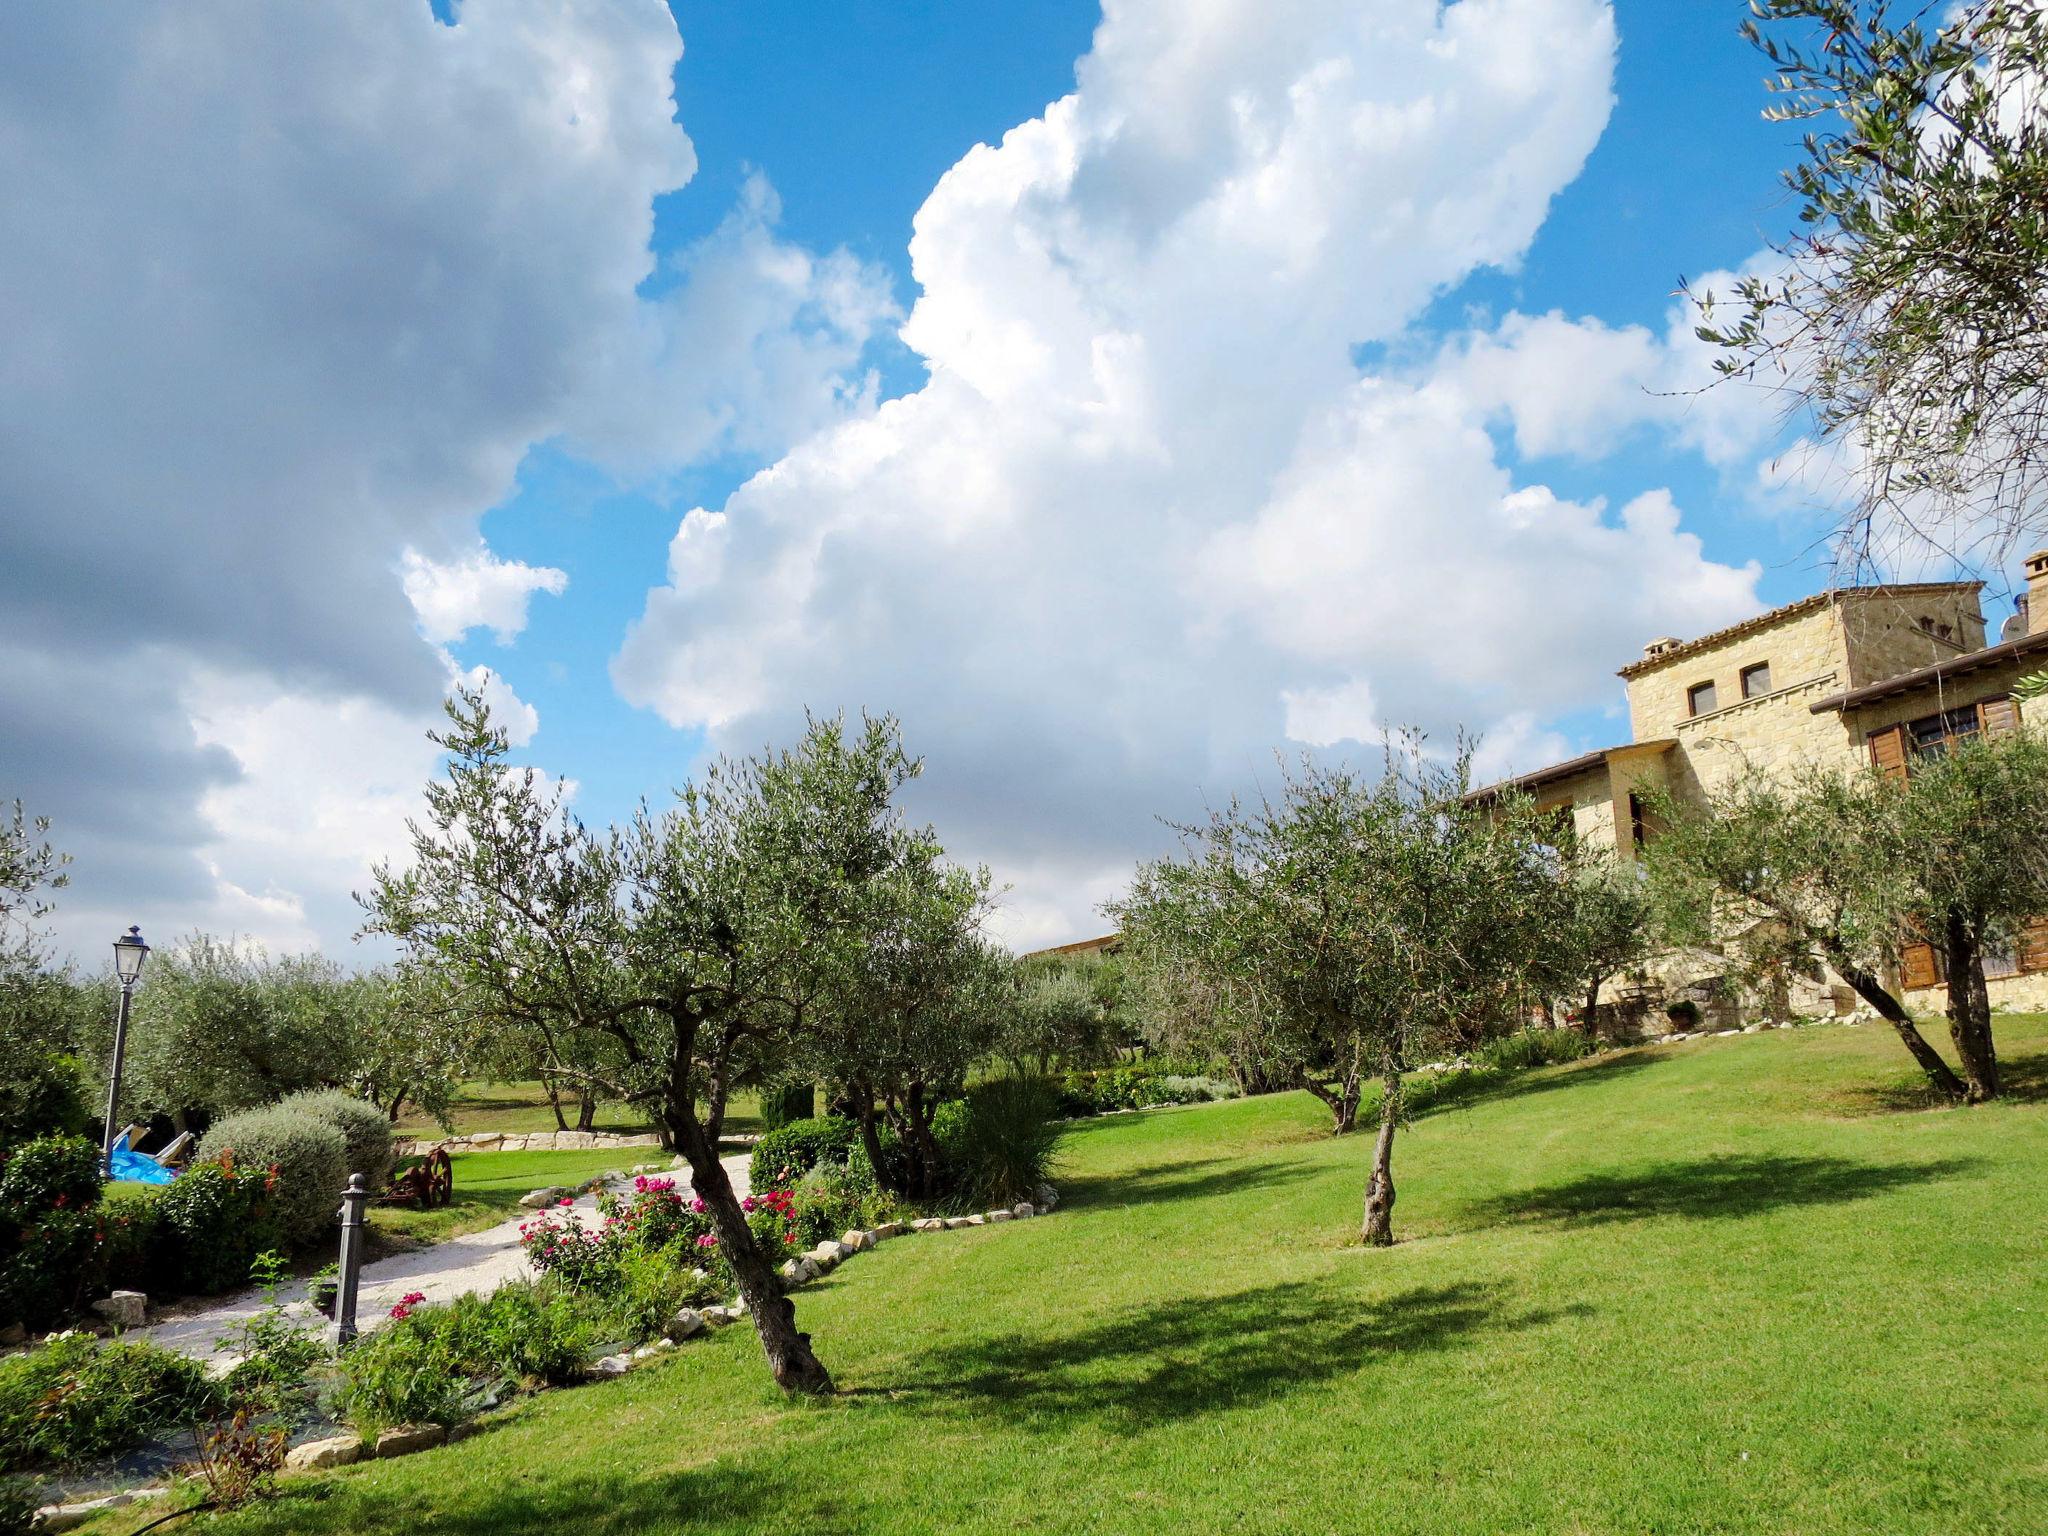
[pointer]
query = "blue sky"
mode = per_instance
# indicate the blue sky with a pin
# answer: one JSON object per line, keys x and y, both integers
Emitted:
{"x": 1275, "y": 372}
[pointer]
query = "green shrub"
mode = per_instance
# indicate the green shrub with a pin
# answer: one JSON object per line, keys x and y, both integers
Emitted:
{"x": 133, "y": 1244}
{"x": 1535, "y": 1048}
{"x": 652, "y": 1284}
{"x": 785, "y": 1103}
{"x": 43, "y": 1095}
{"x": 51, "y": 1173}
{"x": 211, "y": 1222}
{"x": 830, "y": 1199}
{"x": 363, "y": 1127}
{"x": 786, "y": 1154}
{"x": 1000, "y": 1147}
{"x": 18, "y": 1505}
{"x": 440, "y": 1364}
{"x": 75, "y": 1400}
{"x": 310, "y": 1157}
{"x": 53, "y": 1269}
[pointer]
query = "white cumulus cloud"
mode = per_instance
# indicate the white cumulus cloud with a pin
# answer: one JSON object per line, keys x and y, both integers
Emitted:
{"x": 1146, "y": 520}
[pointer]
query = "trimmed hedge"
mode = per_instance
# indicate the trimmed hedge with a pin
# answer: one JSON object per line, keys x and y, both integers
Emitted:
{"x": 362, "y": 1126}
{"x": 310, "y": 1157}
{"x": 789, "y": 1152}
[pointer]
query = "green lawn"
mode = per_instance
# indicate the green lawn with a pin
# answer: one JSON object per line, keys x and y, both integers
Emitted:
{"x": 488, "y": 1186}
{"x": 1724, "y": 1286}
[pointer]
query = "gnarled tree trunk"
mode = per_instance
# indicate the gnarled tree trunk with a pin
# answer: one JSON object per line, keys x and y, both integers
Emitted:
{"x": 1874, "y": 992}
{"x": 795, "y": 1367}
{"x": 1969, "y": 1009}
{"x": 1378, "y": 1229}
{"x": 1341, "y": 1097}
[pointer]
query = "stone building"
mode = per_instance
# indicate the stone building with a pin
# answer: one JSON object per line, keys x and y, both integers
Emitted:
{"x": 1880, "y": 675}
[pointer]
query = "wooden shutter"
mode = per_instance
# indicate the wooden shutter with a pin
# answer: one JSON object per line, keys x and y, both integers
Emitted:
{"x": 1919, "y": 966}
{"x": 1888, "y": 751}
{"x": 1997, "y": 717}
{"x": 2033, "y": 945}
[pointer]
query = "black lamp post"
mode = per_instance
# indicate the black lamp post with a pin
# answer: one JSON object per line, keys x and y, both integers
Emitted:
{"x": 129, "y": 953}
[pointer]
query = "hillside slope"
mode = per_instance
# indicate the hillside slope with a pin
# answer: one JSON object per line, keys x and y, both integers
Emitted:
{"x": 1737, "y": 1285}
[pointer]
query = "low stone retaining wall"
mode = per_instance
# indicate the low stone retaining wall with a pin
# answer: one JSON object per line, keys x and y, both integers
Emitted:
{"x": 534, "y": 1141}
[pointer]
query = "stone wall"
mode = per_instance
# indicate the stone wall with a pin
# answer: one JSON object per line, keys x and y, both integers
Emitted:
{"x": 1800, "y": 649}
{"x": 1885, "y": 637}
{"x": 536, "y": 1141}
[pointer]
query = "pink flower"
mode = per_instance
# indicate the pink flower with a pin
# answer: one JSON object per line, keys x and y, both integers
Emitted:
{"x": 699, "y": 1207}
{"x": 565, "y": 1202}
{"x": 708, "y": 1240}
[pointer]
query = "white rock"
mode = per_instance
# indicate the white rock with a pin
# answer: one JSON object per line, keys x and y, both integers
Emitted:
{"x": 337, "y": 1451}
{"x": 1023, "y": 1210}
{"x": 62, "y": 1517}
{"x": 685, "y": 1323}
{"x": 889, "y": 1229}
{"x": 408, "y": 1438}
{"x": 995, "y": 1216}
{"x": 955, "y": 1223}
{"x": 124, "y": 1309}
{"x": 929, "y": 1224}
{"x": 541, "y": 1198}
{"x": 737, "y": 1310}
{"x": 610, "y": 1365}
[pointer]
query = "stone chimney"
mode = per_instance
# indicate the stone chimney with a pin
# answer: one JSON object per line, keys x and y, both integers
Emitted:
{"x": 1665, "y": 643}
{"x": 2037, "y": 591}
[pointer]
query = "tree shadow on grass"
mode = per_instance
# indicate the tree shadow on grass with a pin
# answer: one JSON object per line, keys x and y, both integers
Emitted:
{"x": 1197, "y": 1180}
{"x": 1708, "y": 1189}
{"x": 551, "y": 1500}
{"x": 1201, "y": 1355}
{"x": 2022, "y": 1078}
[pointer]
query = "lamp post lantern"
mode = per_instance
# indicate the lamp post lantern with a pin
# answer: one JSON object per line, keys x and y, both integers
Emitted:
{"x": 129, "y": 953}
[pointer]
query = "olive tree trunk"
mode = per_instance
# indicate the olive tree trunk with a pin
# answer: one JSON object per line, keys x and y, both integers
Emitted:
{"x": 1969, "y": 1009}
{"x": 795, "y": 1367}
{"x": 1873, "y": 991}
{"x": 1378, "y": 1230}
{"x": 1341, "y": 1097}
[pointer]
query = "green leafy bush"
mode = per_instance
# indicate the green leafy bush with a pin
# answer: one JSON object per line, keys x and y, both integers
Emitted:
{"x": 1000, "y": 1147}
{"x": 830, "y": 1199}
{"x": 652, "y": 1284}
{"x": 211, "y": 1222}
{"x": 363, "y": 1127}
{"x": 310, "y": 1157}
{"x": 787, "y": 1153}
{"x": 440, "y": 1364}
{"x": 42, "y": 1095}
{"x": 75, "y": 1400}
{"x": 785, "y": 1103}
{"x": 53, "y": 1268}
{"x": 50, "y": 1173}
{"x": 1535, "y": 1048}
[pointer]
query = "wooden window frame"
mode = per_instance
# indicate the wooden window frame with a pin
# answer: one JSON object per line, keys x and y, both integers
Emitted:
{"x": 1692, "y": 698}
{"x": 1750, "y": 671}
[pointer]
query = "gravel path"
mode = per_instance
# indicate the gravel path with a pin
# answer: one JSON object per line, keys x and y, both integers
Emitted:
{"x": 479, "y": 1263}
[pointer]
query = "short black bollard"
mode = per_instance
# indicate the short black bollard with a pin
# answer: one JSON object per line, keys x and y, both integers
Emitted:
{"x": 353, "y": 1201}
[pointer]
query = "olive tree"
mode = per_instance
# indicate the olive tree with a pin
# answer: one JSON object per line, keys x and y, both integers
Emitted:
{"x": 1907, "y": 313}
{"x": 916, "y": 1001}
{"x": 1067, "y": 1010}
{"x": 694, "y": 943}
{"x": 1360, "y": 922}
{"x": 1798, "y": 867}
{"x": 1965, "y": 860}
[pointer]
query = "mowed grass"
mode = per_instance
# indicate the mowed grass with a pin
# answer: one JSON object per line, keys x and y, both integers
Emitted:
{"x": 1723, "y": 1286}
{"x": 488, "y": 1186}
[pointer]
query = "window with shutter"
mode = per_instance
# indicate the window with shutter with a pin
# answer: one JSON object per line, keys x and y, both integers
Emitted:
{"x": 1998, "y": 717}
{"x": 1920, "y": 966}
{"x": 2033, "y": 945}
{"x": 1888, "y": 751}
